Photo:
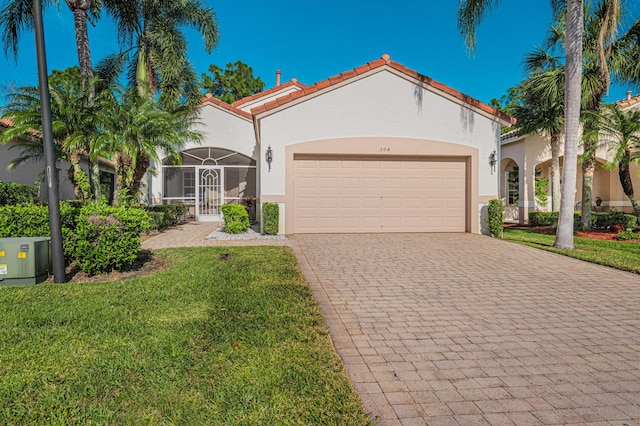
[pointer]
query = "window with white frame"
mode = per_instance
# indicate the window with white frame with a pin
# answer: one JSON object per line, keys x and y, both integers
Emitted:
{"x": 512, "y": 184}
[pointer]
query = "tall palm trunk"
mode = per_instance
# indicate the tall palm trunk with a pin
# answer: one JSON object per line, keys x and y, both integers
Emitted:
{"x": 573, "y": 77}
{"x": 79, "y": 9}
{"x": 79, "y": 178}
{"x": 555, "y": 171}
{"x": 590, "y": 142}
{"x": 627, "y": 184}
{"x": 94, "y": 179}
{"x": 123, "y": 166}
{"x": 142, "y": 165}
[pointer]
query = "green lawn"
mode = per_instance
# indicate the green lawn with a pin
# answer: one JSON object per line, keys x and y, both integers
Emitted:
{"x": 224, "y": 336}
{"x": 616, "y": 254}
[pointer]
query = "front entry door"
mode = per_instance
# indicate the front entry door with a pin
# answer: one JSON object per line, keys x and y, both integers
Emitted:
{"x": 209, "y": 187}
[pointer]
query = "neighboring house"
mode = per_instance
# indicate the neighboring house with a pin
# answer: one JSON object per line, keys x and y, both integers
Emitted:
{"x": 521, "y": 155}
{"x": 379, "y": 148}
{"x": 32, "y": 172}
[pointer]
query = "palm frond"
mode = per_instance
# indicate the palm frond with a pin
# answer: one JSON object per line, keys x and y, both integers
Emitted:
{"x": 16, "y": 17}
{"x": 470, "y": 14}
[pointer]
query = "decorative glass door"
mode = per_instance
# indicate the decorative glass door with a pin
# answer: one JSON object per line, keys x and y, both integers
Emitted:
{"x": 209, "y": 187}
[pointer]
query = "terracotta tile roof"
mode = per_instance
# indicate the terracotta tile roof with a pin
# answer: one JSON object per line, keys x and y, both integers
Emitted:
{"x": 511, "y": 134}
{"x": 629, "y": 101}
{"x": 5, "y": 122}
{"x": 384, "y": 61}
{"x": 208, "y": 98}
{"x": 268, "y": 92}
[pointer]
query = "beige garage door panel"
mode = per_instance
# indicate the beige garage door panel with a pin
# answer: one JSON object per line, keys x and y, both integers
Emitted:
{"x": 347, "y": 195}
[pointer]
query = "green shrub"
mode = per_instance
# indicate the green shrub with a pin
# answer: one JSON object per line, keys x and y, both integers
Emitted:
{"x": 107, "y": 237}
{"x": 620, "y": 218}
{"x": 270, "y": 218}
{"x": 542, "y": 218}
{"x": 157, "y": 220}
{"x": 235, "y": 218}
{"x": 235, "y": 228}
{"x": 614, "y": 217}
{"x": 165, "y": 215}
{"x": 15, "y": 193}
{"x": 599, "y": 220}
{"x": 32, "y": 220}
{"x": 627, "y": 235}
{"x": 495, "y": 217}
{"x": 541, "y": 189}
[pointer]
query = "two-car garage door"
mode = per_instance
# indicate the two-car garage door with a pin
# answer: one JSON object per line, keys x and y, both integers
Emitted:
{"x": 346, "y": 194}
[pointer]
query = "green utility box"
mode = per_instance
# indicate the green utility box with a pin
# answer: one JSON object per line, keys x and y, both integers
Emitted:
{"x": 24, "y": 261}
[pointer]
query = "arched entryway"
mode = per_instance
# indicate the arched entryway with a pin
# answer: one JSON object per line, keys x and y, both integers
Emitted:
{"x": 208, "y": 177}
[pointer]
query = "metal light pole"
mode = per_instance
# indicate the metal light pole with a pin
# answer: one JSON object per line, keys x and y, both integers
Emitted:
{"x": 57, "y": 253}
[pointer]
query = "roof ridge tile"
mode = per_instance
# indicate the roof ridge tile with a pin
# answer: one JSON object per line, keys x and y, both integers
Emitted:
{"x": 385, "y": 60}
{"x": 293, "y": 82}
{"x": 208, "y": 98}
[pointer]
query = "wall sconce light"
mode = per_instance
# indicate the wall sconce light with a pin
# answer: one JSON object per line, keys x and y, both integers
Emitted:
{"x": 493, "y": 159}
{"x": 269, "y": 156}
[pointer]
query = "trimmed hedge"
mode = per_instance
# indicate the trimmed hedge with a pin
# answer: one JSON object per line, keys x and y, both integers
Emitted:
{"x": 32, "y": 220}
{"x": 495, "y": 217}
{"x": 108, "y": 238}
{"x": 15, "y": 193}
{"x": 270, "y": 218}
{"x": 100, "y": 237}
{"x": 600, "y": 220}
{"x": 236, "y": 218}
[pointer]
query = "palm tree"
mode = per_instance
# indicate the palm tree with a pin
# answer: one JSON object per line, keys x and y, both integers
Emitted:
{"x": 74, "y": 121}
{"x": 541, "y": 108}
{"x": 17, "y": 16}
{"x": 602, "y": 57}
{"x": 470, "y": 14}
{"x": 155, "y": 47}
{"x": 137, "y": 129}
{"x": 623, "y": 131}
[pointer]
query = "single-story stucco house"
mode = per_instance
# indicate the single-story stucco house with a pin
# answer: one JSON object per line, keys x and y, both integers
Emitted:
{"x": 32, "y": 171}
{"x": 380, "y": 148}
{"x": 522, "y": 155}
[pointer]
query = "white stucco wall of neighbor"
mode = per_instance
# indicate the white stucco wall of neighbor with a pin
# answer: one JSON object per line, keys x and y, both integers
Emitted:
{"x": 29, "y": 173}
{"x": 387, "y": 107}
{"x": 220, "y": 129}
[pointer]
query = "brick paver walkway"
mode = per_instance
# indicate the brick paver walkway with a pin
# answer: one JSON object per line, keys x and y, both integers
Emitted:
{"x": 465, "y": 329}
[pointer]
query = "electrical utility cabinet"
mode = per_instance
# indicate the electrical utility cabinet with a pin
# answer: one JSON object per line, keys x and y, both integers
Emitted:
{"x": 25, "y": 260}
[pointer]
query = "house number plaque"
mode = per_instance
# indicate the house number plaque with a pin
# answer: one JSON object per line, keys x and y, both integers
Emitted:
{"x": 385, "y": 149}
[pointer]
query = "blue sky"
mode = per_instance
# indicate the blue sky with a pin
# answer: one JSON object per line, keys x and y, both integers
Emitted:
{"x": 313, "y": 40}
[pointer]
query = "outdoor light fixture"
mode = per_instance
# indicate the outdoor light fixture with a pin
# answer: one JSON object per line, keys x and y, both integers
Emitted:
{"x": 493, "y": 159}
{"x": 269, "y": 156}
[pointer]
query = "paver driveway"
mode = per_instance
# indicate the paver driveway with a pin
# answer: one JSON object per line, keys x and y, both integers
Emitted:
{"x": 465, "y": 329}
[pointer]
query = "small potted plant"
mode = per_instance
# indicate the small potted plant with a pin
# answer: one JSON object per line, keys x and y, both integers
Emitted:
{"x": 598, "y": 201}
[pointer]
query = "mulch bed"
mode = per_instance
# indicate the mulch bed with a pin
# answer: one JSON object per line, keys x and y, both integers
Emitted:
{"x": 147, "y": 263}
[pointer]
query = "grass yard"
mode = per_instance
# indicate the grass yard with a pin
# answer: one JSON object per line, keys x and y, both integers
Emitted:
{"x": 616, "y": 254}
{"x": 226, "y": 335}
